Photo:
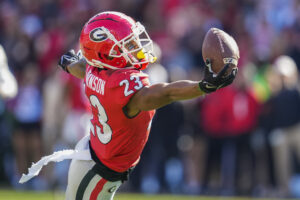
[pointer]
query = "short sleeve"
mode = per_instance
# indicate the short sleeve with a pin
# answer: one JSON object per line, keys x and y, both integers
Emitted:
{"x": 125, "y": 83}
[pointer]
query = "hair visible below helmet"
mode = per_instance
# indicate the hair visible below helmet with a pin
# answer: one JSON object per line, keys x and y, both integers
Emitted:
{"x": 113, "y": 40}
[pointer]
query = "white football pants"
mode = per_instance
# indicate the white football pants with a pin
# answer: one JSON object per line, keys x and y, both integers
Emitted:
{"x": 84, "y": 183}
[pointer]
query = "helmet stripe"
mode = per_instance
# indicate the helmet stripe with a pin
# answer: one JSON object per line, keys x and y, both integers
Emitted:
{"x": 123, "y": 16}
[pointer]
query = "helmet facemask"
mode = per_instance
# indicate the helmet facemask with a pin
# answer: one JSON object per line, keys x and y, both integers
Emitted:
{"x": 136, "y": 48}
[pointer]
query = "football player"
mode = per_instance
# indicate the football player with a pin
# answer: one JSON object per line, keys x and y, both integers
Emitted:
{"x": 115, "y": 50}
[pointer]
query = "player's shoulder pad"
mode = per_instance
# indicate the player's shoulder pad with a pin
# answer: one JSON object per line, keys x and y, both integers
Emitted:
{"x": 121, "y": 74}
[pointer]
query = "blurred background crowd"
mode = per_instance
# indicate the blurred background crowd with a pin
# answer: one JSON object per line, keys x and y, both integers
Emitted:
{"x": 241, "y": 140}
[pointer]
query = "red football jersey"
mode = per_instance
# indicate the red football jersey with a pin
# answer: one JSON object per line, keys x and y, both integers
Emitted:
{"x": 116, "y": 139}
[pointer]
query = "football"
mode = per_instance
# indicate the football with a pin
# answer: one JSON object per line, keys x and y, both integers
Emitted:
{"x": 221, "y": 49}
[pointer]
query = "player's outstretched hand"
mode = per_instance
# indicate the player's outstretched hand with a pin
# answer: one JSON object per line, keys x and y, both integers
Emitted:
{"x": 212, "y": 81}
{"x": 67, "y": 59}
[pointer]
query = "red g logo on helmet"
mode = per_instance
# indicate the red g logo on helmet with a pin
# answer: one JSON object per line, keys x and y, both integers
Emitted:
{"x": 98, "y": 35}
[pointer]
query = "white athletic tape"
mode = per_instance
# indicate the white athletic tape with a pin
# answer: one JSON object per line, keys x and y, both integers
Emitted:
{"x": 81, "y": 152}
{"x": 230, "y": 61}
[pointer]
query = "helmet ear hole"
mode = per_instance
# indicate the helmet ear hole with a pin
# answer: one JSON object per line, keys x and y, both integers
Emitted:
{"x": 102, "y": 56}
{"x": 121, "y": 51}
{"x": 108, "y": 57}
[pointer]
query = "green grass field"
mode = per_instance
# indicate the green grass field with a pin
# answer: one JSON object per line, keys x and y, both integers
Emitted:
{"x": 17, "y": 195}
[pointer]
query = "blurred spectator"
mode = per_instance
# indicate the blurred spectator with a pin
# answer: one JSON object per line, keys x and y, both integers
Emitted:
{"x": 27, "y": 139}
{"x": 161, "y": 168}
{"x": 228, "y": 117}
{"x": 8, "y": 89}
{"x": 284, "y": 119}
{"x": 76, "y": 121}
{"x": 64, "y": 125}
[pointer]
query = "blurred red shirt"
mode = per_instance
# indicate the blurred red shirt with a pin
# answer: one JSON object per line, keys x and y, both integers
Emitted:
{"x": 229, "y": 112}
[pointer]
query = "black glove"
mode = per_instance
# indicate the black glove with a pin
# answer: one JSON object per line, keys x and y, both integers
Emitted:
{"x": 212, "y": 81}
{"x": 67, "y": 59}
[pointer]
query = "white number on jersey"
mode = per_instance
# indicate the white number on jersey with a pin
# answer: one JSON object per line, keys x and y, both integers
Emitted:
{"x": 104, "y": 135}
{"x": 138, "y": 85}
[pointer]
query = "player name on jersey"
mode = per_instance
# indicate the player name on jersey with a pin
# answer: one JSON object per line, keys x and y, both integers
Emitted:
{"x": 95, "y": 83}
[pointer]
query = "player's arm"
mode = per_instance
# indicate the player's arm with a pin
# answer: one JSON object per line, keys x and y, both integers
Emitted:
{"x": 71, "y": 63}
{"x": 158, "y": 95}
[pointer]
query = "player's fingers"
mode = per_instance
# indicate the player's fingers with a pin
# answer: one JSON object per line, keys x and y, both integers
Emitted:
{"x": 79, "y": 54}
{"x": 230, "y": 78}
{"x": 72, "y": 52}
{"x": 208, "y": 65}
{"x": 223, "y": 71}
{"x": 208, "y": 62}
{"x": 234, "y": 72}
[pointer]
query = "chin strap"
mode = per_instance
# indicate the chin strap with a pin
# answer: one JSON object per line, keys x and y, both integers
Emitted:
{"x": 141, "y": 66}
